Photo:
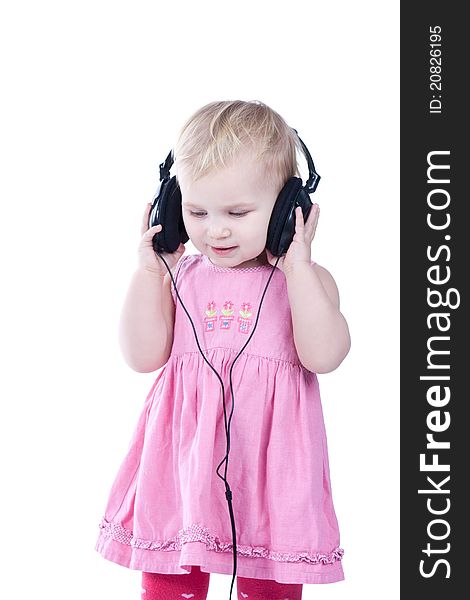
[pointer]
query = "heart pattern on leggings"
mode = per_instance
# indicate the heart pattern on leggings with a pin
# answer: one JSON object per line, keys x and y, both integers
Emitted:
{"x": 244, "y": 595}
{"x": 187, "y": 595}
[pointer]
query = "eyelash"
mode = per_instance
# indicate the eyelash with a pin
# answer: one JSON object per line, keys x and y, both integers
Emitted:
{"x": 194, "y": 214}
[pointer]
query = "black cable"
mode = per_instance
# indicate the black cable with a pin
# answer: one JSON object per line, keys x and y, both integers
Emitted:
{"x": 228, "y": 491}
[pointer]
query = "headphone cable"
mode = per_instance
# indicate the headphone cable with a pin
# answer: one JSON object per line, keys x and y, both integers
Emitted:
{"x": 228, "y": 491}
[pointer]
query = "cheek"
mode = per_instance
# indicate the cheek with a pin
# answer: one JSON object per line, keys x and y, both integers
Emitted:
{"x": 254, "y": 234}
{"x": 261, "y": 226}
{"x": 190, "y": 226}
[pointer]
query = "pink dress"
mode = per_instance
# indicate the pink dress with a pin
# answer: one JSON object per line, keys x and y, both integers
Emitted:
{"x": 167, "y": 508}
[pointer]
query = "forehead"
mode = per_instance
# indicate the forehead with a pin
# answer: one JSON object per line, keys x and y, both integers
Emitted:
{"x": 240, "y": 181}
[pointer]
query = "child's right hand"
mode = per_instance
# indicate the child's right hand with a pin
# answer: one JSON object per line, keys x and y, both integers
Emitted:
{"x": 148, "y": 258}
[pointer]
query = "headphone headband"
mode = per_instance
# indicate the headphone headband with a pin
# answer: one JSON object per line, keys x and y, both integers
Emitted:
{"x": 313, "y": 176}
{"x": 310, "y": 185}
{"x": 166, "y": 166}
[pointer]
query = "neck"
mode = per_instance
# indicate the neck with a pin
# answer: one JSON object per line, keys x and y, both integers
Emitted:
{"x": 262, "y": 259}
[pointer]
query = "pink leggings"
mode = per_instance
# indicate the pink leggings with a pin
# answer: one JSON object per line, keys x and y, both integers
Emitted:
{"x": 195, "y": 585}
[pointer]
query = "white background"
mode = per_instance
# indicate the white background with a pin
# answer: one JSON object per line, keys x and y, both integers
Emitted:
{"x": 94, "y": 93}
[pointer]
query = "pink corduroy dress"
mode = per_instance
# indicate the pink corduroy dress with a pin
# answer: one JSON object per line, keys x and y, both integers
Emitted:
{"x": 167, "y": 508}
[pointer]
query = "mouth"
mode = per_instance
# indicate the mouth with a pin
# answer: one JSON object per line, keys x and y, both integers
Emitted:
{"x": 223, "y": 249}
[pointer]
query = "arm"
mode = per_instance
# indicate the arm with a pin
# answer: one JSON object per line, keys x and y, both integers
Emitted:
{"x": 148, "y": 315}
{"x": 146, "y": 322}
{"x": 321, "y": 334}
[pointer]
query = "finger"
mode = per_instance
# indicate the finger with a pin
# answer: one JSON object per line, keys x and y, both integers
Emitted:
{"x": 313, "y": 212}
{"x": 313, "y": 219}
{"x": 299, "y": 218}
{"x": 152, "y": 231}
{"x": 314, "y": 223}
{"x": 145, "y": 219}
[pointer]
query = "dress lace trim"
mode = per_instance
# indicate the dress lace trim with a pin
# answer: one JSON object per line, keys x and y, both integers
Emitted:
{"x": 199, "y": 533}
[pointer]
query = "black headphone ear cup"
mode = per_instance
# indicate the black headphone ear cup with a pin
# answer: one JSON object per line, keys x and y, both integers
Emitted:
{"x": 281, "y": 228}
{"x": 166, "y": 209}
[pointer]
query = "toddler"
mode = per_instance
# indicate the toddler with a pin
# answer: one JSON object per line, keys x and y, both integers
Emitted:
{"x": 167, "y": 513}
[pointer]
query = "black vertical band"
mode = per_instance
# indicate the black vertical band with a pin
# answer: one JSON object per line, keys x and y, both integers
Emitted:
{"x": 435, "y": 257}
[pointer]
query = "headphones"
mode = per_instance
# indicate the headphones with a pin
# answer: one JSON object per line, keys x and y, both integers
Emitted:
{"x": 166, "y": 210}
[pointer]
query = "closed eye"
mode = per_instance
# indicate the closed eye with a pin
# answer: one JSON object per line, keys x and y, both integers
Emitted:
{"x": 202, "y": 214}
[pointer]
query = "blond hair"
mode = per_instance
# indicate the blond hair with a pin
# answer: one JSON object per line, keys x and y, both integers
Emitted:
{"x": 213, "y": 136}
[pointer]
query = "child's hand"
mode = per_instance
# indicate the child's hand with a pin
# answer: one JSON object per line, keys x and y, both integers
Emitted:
{"x": 148, "y": 258}
{"x": 299, "y": 250}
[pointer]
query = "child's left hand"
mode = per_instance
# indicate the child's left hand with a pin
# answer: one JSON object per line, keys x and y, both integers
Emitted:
{"x": 299, "y": 250}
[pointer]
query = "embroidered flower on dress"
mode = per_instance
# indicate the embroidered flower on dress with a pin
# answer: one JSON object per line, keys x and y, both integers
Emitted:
{"x": 211, "y": 318}
{"x": 243, "y": 320}
{"x": 211, "y": 309}
{"x": 245, "y": 311}
{"x": 227, "y": 315}
{"x": 228, "y": 308}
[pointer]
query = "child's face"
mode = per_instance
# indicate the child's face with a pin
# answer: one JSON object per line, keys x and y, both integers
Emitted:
{"x": 229, "y": 207}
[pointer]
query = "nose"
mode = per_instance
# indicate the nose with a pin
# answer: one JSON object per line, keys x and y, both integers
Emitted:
{"x": 218, "y": 231}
